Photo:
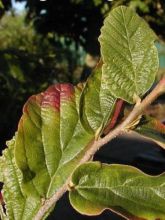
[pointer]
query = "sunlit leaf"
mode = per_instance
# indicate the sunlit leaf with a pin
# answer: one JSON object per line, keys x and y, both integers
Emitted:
{"x": 51, "y": 139}
{"x": 97, "y": 101}
{"x": 59, "y": 125}
{"x": 129, "y": 55}
{"x": 50, "y": 131}
{"x": 18, "y": 206}
{"x": 123, "y": 189}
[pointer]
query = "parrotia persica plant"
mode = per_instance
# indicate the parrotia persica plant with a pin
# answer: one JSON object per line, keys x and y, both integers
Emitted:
{"x": 63, "y": 127}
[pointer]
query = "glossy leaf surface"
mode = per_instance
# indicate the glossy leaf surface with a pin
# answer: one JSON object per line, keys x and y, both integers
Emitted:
{"x": 129, "y": 54}
{"x": 50, "y": 131}
{"x": 18, "y": 206}
{"x": 123, "y": 189}
{"x": 96, "y": 99}
{"x": 58, "y": 126}
{"x": 50, "y": 141}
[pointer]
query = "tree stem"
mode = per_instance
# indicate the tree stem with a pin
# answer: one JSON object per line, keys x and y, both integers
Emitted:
{"x": 97, "y": 144}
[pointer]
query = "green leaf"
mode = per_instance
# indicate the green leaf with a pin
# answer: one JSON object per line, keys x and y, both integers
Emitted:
{"x": 97, "y": 101}
{"x": 153, "y": 129}
{"x": 129, "y": 55}
{"x": 51, "y": 140}
{"x": 58, "y": 126}
{"x": 17, "y": 205}
{"x": 16, "y": 72}
{"x": 1, "y": 5}
{"x": 50, "y": 131}
{"x": 123, "y": 189}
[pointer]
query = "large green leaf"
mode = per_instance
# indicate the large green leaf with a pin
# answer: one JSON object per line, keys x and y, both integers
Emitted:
{"x": 50, "y": 131}
{"x": 123, "y": 189}
{"x": 49, "y": 144}
{"x": 18, "y": 206}
{"x": 129, "y": 54}
{"x": 51, "y": 141}
{"x": 153, "y": 129}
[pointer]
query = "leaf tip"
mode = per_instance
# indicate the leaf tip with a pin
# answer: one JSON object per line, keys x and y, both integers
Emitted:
{"x": 54, "y": 94}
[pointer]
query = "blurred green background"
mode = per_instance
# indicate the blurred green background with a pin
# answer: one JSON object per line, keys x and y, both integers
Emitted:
{"x": 44, "y": 42}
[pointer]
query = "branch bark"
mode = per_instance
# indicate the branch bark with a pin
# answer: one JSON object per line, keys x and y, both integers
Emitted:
{"x": 97, "y": 144}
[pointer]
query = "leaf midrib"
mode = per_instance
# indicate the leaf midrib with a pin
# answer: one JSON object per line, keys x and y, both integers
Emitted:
{"x": 129, "y": 49}
{"x": 63, "y": 151}
{"x": 114, "y": 187}
{"x": 119, "y": 195}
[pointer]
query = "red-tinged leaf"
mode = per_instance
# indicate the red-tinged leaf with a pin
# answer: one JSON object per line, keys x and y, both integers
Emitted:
{"x": 1, "y": 199}
{"x": 51, "y": 130}
{"x": 113, "y": 120}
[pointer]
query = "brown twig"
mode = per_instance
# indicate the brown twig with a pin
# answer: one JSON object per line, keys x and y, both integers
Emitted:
{"x": 96, "y": 145}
